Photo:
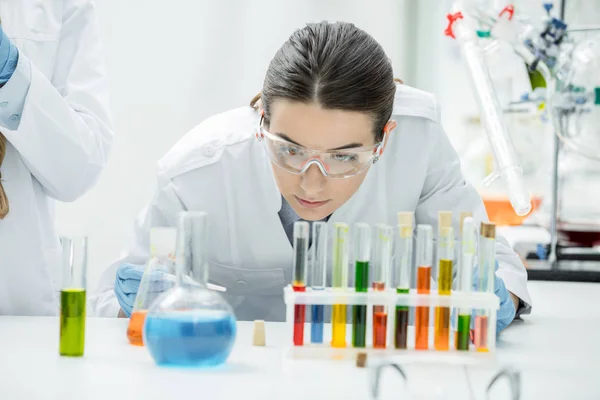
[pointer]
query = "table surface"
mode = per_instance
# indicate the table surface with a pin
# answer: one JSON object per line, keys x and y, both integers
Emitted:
{"x": 556, "y": 348}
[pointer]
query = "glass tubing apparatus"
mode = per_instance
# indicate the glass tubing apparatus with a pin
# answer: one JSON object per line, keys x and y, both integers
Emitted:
{"x": 461, "y": 319}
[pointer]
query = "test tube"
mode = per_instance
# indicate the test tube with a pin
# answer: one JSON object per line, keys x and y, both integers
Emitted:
{"x": 319, "y": 278}
{"x": 301, "y": 229}
{"x": 382, "y": 259}
{"x": 402, "y": 276}
{"x": 468, "y": 245}
{"x": 424, "y": 261}
{"x": 73, "y": 297}
{"x": 339, "y": 281}
{"x": 444, "y": 280}
{"x": 456, "y": 282}
{"x": 362, "y": 255}
{"x": 485, "y": 283}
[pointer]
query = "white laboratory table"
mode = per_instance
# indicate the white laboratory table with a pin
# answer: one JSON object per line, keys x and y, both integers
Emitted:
{"x": 557, "y": 349}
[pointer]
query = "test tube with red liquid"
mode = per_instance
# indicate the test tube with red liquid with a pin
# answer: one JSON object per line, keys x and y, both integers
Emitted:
{"x": 382, "y": 259}
{"x": 300, "y": 243}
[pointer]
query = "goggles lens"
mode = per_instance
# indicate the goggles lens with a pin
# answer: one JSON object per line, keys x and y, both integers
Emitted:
{"x": 337, "y": 164}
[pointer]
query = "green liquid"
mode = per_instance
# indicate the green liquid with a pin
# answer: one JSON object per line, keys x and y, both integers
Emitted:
{"x": 359, "y": 313}
{"x": 462, "y": 335}
{"x": 362, "y": 276}
{"x": 72, "y": 322}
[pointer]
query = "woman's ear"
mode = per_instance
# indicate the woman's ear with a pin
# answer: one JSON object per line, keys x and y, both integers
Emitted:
{"x": 387, "y": 131}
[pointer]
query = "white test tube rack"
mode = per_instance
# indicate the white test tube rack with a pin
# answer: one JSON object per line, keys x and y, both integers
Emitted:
{"x": 488, "y": 302}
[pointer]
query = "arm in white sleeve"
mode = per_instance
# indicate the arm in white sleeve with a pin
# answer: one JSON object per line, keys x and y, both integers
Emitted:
{"x": 162, "y": 211}
{"x": 64, "y": 134}
{"x": 13, "y": 95}
{"x": 446, "y": 189}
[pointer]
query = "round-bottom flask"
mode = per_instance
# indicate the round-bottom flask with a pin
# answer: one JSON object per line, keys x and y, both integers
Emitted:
{"x": 190, "y": 325}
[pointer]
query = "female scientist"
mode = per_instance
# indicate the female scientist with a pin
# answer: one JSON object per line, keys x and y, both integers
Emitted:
{"x": 321, "y": 146}
{"x": 54, "y": 138}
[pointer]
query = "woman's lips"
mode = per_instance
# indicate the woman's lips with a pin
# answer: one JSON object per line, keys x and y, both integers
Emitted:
{"x": 310, "y": 204}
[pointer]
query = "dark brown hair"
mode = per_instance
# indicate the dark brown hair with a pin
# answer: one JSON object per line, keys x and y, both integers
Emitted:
{"x": 335, "y": 65}
{"x": 3, "y": 198}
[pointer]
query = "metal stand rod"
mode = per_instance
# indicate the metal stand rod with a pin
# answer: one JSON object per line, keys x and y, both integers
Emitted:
{"x": 552, "y": 257}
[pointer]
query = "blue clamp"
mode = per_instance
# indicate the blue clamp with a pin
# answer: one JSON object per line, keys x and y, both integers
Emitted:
{"x": 541, "y": 252}
{"x": 548, "y": 7}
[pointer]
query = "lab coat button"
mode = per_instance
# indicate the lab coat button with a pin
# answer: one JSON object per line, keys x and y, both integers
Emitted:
{"x": 4, "y": 104}
{"x": 14, "y": 117}
{"x": 208, "y": 150}
{"x": 241, "y": 283}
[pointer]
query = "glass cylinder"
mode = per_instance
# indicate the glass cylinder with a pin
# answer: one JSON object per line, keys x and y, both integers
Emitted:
{"x": 73, "y": 296}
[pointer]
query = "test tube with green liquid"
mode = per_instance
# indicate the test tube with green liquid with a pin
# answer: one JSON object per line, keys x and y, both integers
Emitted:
{"x": 72, "y": 297}
{"x": 362, "y": 254}
{"x": 465, "y": 279}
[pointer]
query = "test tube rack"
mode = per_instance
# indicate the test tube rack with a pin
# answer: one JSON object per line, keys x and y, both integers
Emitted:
{"x": 389, "y": 298}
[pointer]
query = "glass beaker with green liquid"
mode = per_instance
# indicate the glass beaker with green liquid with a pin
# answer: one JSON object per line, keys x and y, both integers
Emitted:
{"x": 72, "y": 296}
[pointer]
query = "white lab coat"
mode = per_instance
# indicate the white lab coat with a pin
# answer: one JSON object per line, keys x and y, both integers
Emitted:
{"x": 221, "y": 168}
{"x": 59, "y": 148}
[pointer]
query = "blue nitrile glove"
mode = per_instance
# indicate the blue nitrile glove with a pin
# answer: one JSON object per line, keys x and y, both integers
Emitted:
{"x": 9, "y": 56}
{"x": 507, "y": 311}
{"x": 128, "y": 282}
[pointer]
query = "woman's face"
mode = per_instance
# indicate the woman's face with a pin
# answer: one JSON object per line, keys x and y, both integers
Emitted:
{"x": 312, "y": 195}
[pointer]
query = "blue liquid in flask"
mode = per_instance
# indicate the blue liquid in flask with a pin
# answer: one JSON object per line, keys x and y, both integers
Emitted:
{"x": 190, "y": 338}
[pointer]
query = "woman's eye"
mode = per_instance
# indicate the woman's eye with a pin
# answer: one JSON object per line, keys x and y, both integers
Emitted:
{"x": 291, "y": 150}
{"x": 346, "y": 158}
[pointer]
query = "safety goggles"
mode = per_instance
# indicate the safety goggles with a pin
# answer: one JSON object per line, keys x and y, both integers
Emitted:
{"x": 336, "y": 164}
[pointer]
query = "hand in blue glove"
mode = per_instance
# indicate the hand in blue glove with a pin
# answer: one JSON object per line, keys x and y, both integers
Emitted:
{"x": 507, "y": 311}
{"x": 128, "y": 282}
{"x": 9, "y": 56}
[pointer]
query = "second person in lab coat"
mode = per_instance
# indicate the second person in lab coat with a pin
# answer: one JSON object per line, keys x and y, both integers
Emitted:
{"x": 55, "y": 136}
{"x": 322, "y": 146}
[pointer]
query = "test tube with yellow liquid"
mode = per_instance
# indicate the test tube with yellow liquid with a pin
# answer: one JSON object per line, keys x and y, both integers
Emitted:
{"x": 441, "y": 340}
{"x": 339, "y": 281}
{"x": 73, "y": 297}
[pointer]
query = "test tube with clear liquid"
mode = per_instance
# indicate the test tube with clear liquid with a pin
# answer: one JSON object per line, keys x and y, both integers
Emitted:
{"x": 301, "y": 232}
{"x": 382, "y": 260}
{"x": 339, "y": 281}
{"x": 485, "y": 283}
{"x": 73, "y": 297}
{"x": 424, "y": 258}
{"x": 318, "y": 277}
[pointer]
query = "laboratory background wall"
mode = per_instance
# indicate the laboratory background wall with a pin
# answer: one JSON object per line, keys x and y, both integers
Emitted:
{"x": 173, "y": 64}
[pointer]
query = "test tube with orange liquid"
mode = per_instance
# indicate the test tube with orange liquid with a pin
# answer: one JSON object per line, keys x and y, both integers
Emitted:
{"x": 155, "y": 280}
{"x": 424, "y": 258}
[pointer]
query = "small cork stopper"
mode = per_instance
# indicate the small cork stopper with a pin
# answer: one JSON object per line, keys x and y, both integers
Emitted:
{"x": 488, "y": 230}
{"x": 444, "y": 220}
{"x": 361, "y": 360}
{"x": 463, "y": 216}
{"x": 405, "y": 218}
{"x": 258, "y": 336}
{"x": 406, "y": 231}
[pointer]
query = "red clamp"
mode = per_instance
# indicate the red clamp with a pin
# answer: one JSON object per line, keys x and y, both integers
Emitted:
{"x": 510, "y": 9}
{"x": 451, "y": 20}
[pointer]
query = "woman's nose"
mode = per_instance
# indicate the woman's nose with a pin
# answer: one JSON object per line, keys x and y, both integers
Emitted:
{"x": 313, "y": 181}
